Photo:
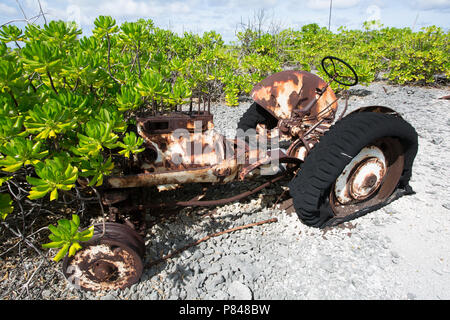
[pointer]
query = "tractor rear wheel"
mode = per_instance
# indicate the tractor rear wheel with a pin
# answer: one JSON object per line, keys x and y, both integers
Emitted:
{"x": 255, "y": 115}
{"x": 362, "y": 163}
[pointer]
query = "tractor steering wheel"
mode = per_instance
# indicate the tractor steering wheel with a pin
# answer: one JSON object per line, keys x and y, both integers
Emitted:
{"x": 342, "y": 72}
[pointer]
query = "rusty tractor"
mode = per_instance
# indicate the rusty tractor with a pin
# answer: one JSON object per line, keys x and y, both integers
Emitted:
{"x": 340, "y": 167}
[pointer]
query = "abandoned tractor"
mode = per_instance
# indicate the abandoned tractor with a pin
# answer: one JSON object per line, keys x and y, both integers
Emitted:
{"x": 340, "y": 167}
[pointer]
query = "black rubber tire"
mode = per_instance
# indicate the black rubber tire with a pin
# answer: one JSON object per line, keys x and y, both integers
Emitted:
{"x": 310, "y": 188}
{"x": 255, "y": 115}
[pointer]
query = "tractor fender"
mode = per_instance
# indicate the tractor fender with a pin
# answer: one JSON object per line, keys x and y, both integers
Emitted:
{"x": 283, "y": 92}
{"x": 378, "y": 109}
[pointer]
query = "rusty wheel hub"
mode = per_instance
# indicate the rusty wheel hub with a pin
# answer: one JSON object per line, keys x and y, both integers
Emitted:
{"x": 105, "y": 270}
{"x": 362, "y": 176}
{"x": 107, "y": 262}
{"x": 369, "y": 178}
{"x": 366, "y": 179}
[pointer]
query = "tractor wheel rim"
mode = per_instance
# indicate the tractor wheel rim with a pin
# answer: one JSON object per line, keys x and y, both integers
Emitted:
{"x": 108, "y": 261}
{"x": 369, "y": 179}
{"x": 362, "y": 176}
{"x": 107, "y": 265}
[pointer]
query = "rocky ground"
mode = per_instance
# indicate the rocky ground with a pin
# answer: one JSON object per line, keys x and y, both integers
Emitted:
{"x": 401, "y": 251}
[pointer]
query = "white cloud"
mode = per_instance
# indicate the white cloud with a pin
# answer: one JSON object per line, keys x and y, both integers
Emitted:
{"x": 224, "y": 16}
{"x": 7, "y": 10}
{"x": 85, "y": 12}
{"x": 179, "y": 7}
{"x": 373, "y": 13}
{"x": 337, "y": 4}
{"x": 121, "y": 10}
{"x": 124, "y": 8}
{"x": 431, "y": 4}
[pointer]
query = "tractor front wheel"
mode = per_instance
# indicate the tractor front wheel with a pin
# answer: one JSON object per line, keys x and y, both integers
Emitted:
{"x": 356, "y": 168}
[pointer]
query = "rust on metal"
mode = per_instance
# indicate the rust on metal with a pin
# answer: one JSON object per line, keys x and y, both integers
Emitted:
{"x": 101, "y": 267}
{"x": 273, "y": 156}
{"x": 366, "y": 178}
{"x": 202, "y": 174}
{"x": 111, "y": 197}
{"x": 303, "y": 103}
{"x": 196, "y": 200}
{"x": 108, "y": 261}
{"x": 368, "y": 163}
{"x": 344, "y": 204}
{"x": 172, "y": 150}
{"x": 175, "y": 120}
{"x": 286, "y": 91}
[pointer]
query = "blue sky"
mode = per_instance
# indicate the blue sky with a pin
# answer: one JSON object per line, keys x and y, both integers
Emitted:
{"x": 225, "y": 16}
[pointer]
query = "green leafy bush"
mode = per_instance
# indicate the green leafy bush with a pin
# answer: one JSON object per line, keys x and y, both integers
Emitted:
{"x": 67, "y": 237}
{"x": 421, "y": 57}
{"x": 21, "y": 152}
{"x": 55, "y": 174}
{"x": 5, "y": 205}
{"x": 131, "y": 145}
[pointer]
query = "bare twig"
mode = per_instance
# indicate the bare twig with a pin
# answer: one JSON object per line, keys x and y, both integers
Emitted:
{"x": 14, "y": 99}
{"x": 21, "y": 9}
{"x": 20, "y": 235}
{"x": 21, "y": 20}
{"x": 103, "y": 211}
{"x": 76, "y": 85}
{"x": 26, "y": 285}
{"x": 138, "y": 59}
{"x": 10, "y": 248}
{"x": 51, "y": 82}
{"x": 30, "y": 80}
{"x": 41, "y": 11}
{"x": 112, "y": 77}
{"x": 109, "y": 53}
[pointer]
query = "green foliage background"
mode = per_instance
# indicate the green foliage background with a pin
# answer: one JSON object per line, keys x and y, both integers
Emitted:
{"x": 66, "y": 101}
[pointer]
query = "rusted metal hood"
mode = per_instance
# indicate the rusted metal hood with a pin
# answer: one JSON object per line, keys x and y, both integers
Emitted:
{"x": 285, "y": 91}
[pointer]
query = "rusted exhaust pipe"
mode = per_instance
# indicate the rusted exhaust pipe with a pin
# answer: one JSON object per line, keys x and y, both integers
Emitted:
{"x": 195, "y": 175}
